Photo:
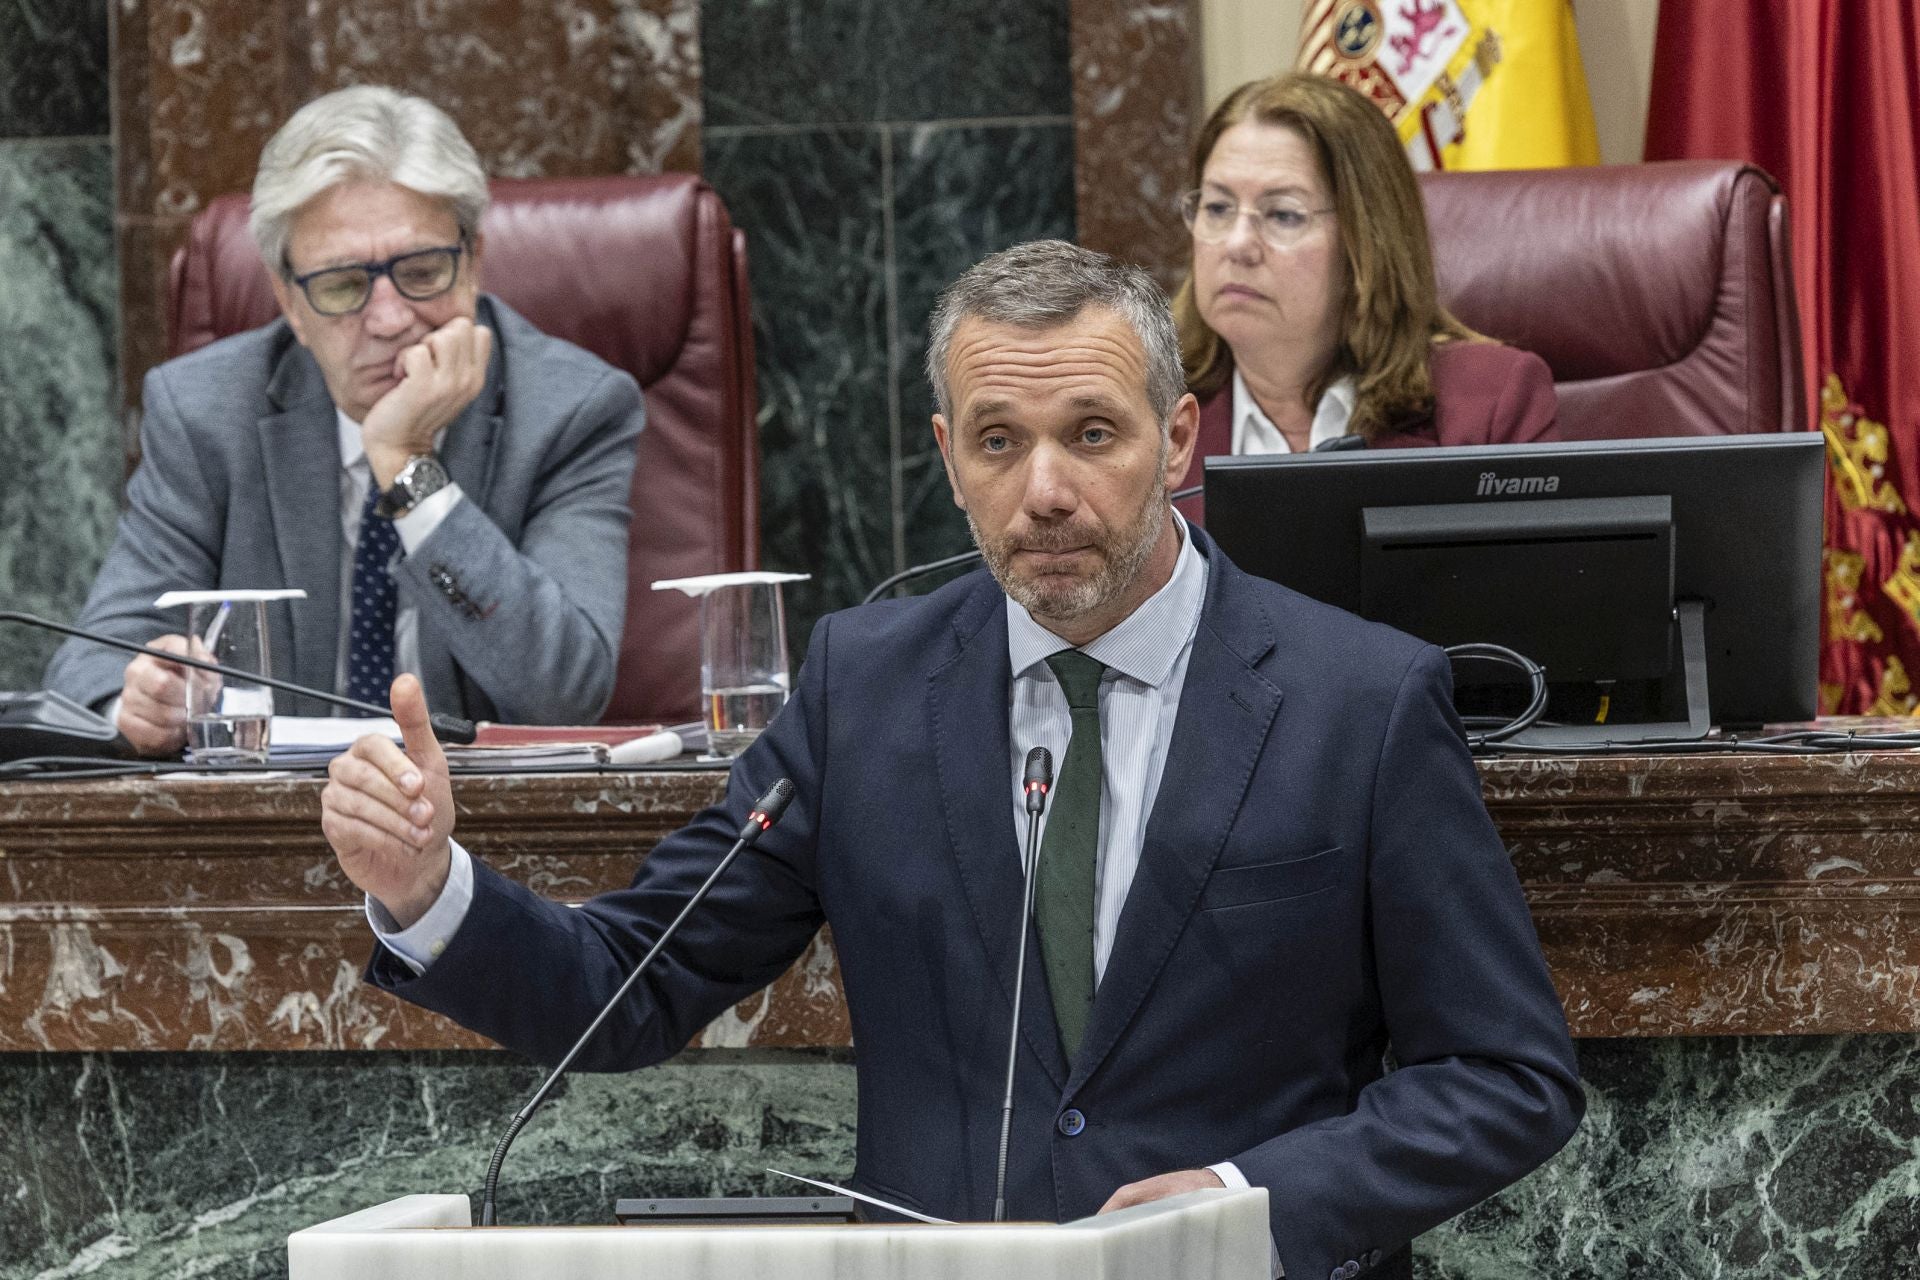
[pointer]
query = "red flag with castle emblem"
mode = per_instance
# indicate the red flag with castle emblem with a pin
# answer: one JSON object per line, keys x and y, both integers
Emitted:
{"x": 1825, "y": 95}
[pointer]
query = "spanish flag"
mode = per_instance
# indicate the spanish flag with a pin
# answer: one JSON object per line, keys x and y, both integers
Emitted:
{"x": 1470, "y": 84}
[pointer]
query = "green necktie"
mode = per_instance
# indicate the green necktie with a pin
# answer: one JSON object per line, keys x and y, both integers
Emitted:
{"x": 1063, "y": 891}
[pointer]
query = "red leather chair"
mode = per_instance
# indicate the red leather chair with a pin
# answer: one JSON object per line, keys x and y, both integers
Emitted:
{"x": 1661, "y": 295}
{"x": 649, "y": 274}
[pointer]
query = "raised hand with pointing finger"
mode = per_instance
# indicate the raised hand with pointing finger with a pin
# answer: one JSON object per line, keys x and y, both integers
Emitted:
{"x": 388, "y": 811}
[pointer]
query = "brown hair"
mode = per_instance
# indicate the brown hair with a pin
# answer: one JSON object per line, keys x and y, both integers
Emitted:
{"x": 1391, "y": 315}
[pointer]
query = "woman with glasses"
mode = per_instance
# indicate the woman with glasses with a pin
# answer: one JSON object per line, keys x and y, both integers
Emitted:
{"x": 1310, "y": 311}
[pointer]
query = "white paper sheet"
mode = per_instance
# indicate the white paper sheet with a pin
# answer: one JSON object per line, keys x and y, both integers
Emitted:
{"x": 864, "y": 1198}
{"x": 707, "y": 582}
{"x": 328, "y": 731}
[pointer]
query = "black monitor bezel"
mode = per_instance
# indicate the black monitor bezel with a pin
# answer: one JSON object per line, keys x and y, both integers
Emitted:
{"x": 1748, "y": 515}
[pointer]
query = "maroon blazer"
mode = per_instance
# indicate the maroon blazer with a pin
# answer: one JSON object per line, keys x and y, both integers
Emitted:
{"x": 1483, "y": 393}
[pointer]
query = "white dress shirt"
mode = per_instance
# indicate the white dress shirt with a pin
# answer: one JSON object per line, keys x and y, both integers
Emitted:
{"x": 356, "y": 475}
{"x": 1254, "y": 432}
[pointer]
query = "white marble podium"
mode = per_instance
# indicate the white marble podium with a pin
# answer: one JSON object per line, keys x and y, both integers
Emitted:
{"x": 1203, "y": 1235}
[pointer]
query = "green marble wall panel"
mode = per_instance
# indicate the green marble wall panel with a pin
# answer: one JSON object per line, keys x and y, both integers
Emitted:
{"x": 1790, "y": 1158}
{"x": 126, "y": 1166}
{"x": 960, "y": 193}
{"x": 812, "y": 202}
{"x": 1787, "y": 1157}
{"x": 53, "y": 68}
{"x": 861, "y": 61}
{"x": 872, "y": 151}
{"x": 59, "y": 424}
{"x": 852, "y": 232}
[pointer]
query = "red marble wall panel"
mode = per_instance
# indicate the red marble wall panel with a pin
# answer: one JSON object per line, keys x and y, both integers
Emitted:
{"x": 209, "y": 914}
{"x": 567, "y": 87}
{"x": 1723, "y": 895}
{"x": 1137, "y": 103}
{"x": 1704, "y": 895}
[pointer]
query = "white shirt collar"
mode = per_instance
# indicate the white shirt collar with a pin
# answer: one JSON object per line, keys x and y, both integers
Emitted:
{"x": 351, "y": 450}
{"x": 1145, "y": 644}
{"x": 1254, "y": 432}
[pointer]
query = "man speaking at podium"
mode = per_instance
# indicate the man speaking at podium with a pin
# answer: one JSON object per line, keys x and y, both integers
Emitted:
{"x": 1266, "y": 862}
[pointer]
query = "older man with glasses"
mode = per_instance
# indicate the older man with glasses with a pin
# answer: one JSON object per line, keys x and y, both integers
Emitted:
{"x": 448, "y": 484}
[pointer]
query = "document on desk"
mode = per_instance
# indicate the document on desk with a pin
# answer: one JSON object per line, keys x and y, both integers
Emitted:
{"x": 315, "y": 740}
{"x": 297, "y": 740}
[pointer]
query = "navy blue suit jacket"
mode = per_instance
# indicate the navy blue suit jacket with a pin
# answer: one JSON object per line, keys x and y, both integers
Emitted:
{"x": 1320, "y": 880}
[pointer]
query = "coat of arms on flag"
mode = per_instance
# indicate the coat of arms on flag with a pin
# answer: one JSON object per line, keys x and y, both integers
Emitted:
{"x": 1469, "y": 84}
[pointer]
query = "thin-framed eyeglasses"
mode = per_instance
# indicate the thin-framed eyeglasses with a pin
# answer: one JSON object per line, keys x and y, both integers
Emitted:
{"x": 1282, "y": 223}
{"x": 419, "y": 274}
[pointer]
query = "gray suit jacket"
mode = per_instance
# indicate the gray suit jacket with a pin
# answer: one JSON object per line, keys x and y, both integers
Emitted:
{"x": 521, "y": 591}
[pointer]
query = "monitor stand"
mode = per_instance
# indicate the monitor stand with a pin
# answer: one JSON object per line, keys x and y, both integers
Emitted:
{"x": 1690, "y": 615}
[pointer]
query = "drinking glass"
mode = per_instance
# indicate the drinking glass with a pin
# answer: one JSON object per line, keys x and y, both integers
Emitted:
{"x": 743, "y": 663}
{"x": 228, "y": 719}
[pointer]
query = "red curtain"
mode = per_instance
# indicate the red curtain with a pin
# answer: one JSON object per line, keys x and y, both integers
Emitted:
{"x": 1825, "y": 95}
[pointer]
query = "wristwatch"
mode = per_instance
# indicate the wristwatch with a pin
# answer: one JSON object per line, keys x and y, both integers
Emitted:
{"x": 420, "y": 477}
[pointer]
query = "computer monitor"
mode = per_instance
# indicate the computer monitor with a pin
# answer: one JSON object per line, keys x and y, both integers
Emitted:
{"x": 1684, "y": 570}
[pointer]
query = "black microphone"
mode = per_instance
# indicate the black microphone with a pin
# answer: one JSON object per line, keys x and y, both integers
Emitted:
{"x": 1038, "y": 782}
{"x": 1039, "y": 779}
{"x": 445, "y": 727}
{"x": 1335, "y": 444}
{"x": 765, "y": 813}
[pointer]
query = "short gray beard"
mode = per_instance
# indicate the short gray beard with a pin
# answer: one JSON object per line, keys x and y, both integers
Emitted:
{"x": 1133, "y": 548}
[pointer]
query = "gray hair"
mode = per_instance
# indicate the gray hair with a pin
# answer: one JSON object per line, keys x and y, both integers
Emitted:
{"x": 367, "y": 132}
{"x": 1044, "y": 283}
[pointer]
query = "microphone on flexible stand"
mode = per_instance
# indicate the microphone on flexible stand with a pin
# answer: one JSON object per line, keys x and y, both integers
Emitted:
{"x": 1037, "y": 783}
{"x": 445, "y": 727}
{"x": 765, "y": 813}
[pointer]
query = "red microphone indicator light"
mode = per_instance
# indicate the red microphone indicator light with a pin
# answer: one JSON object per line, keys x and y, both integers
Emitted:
{"x": 767, "y": 810}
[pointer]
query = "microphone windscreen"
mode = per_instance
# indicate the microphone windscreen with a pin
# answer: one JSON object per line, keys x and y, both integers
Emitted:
{"x": 453, "y": 729}
{"x": 1039, "y": 767}
{"x": 775, "y": 802}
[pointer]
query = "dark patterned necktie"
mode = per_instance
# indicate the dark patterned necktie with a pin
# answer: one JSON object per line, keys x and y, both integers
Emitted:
{"x": 370, "y": 634}
{"x": 1064, "y": 882}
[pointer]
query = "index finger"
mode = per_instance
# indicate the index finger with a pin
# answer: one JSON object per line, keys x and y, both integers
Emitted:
{"x": 383, "y": 754}
{"x": 409, "y": 703}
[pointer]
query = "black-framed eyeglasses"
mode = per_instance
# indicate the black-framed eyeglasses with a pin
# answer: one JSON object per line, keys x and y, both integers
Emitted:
{"x": 419, "y": 275}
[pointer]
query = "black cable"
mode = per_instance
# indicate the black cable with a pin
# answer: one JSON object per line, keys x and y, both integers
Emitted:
{"x": 1536, "y": 676}
{"x": 919, "y": 571}
{"x": 449, "y": 728}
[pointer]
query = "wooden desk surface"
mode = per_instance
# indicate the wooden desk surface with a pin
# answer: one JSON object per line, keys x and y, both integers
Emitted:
{"x": 1698, "y": 895}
